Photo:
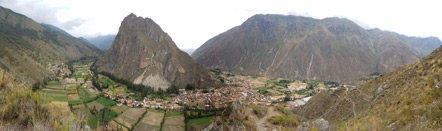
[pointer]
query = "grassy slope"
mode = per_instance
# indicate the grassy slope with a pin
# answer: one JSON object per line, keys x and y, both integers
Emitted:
{"x": 26, "y": 47}
{"x": 410, "y": 100}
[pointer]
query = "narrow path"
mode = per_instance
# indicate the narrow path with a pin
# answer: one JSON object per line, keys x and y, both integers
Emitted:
{"x": 368, "y": 98}
{"x": 270, "y": 112}
{"x": 353, "y": 104}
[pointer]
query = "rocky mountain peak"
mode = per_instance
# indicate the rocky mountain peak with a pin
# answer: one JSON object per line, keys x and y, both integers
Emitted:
{"x": 143, "y": 53}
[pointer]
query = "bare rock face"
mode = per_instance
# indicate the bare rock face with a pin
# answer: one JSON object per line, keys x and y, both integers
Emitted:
{"x": 143, "y": 53}
{"x": 331, "y": 49}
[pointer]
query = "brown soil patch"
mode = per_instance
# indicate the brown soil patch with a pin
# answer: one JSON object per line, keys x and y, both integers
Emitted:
{"x": 174, "y": 123}
{"x": 130, "y": 116}
{"x": 153, "y": 118}
{"x": 58, "y": 90}
{"x": 97, "y": 105}
{"x": 52, "y": 94}
{"x": 78, "y": 106}
{"x": 73, "y": 97}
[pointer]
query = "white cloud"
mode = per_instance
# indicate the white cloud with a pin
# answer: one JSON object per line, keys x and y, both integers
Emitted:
{"x": 192, "y": 22}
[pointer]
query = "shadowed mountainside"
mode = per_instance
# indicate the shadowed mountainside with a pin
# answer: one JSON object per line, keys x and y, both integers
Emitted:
{"x": 143, "y": 53}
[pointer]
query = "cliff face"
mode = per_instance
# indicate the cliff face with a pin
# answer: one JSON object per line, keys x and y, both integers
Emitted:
{"x": 143, "y": 53}
{"x": 331, "y": 49}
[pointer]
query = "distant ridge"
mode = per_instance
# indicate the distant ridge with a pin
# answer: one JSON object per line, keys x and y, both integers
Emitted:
{"x": 330, "y": 49}
{"x": 26, "y": 47}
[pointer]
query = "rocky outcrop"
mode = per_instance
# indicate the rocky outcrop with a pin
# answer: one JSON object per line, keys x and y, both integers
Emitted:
{"x": 332, "y": 49}
{"x": 143, "y": 53}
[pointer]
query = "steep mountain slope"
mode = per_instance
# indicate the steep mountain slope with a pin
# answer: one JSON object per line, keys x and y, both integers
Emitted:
{"x": 423, "y": 46}
{"x": 189, "y": 51}
{"x": 103, "y": 42}
{"x": 26, "y": 47}
{"x": 142, "y": 52}
{"x": 408, "y": 98}
{"x": 300, "y": 47}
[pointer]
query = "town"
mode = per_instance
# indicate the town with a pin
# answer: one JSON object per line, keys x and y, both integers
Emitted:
{"x": 89, "y": 93}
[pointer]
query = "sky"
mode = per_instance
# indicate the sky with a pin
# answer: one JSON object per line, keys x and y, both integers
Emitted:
{"x": 190, "y": 23}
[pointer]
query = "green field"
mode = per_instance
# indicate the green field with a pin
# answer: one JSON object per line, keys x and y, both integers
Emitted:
{"x": 107, "y": 116}
{"x": 54, "y": 92}
{"x": 105, "y": 102}
{"x": 174, "y": 113}
{"x": 203, "y": 122}
{"x": 68, "y": 89}
{"x": 54, "y": 98}
{"x": 79, "y": 75}
{"x": 75, "y": 102}
{"x": 86, "y": 93}
{"x": 93, "y": 123}
{"x": 119, "y": 109}
{"x": 89, "y": 99}
{"x": 54, "y": 83}
{"x": 106, "y": 82}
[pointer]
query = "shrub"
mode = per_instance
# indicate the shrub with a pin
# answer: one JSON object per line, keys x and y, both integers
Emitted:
{"x": 259, "y": 111}
{"x": 285, "y": 120}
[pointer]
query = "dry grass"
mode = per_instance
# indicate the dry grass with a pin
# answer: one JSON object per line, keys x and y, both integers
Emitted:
{"x": 22, "y": 108}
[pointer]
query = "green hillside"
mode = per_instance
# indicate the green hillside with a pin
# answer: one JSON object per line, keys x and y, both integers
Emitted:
{"x": 26, "y": 47}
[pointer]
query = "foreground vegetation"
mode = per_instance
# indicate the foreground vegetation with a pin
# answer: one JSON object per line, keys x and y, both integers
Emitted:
{"x": 22, "y": 108}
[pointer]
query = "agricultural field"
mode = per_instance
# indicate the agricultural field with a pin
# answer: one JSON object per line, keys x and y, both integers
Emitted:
{"x": 92, "y": 121}
{"x": 117, "y": 126}
{"x": 153, "y": 119}
{"x": 119, "y": 109}
{"x": 96, "y": 105}
{"x": 174, "y": 121}
{"x": 54, "y": 83}
{"x": 130, "y": 117}
{"x": 53, "y": 95}
{"x": 105, "y": 102}
{"x": 71, "y": 90}
{"x": 200, "y": 122}
{"x": 107, "y": 114}
{"x": 73, "y": 97}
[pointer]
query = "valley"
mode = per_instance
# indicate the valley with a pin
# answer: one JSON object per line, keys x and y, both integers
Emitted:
{"x": 107, "y": 104}
{"x": 278, "y": 72}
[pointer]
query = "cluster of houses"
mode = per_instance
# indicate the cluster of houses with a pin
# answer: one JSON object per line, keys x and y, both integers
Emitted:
{"x": 218, "y": 98}
{"x": 147, "y": 103}
{"x": 59, "y": 68}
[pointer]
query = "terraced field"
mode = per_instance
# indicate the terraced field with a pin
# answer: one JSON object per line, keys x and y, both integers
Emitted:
{"x": 95, "y": 104}
{"x": 174, "y": 121}
{"x": 130, "y": 117}
{"x": 53, "y": 94}
{"x": 119, "y": 109}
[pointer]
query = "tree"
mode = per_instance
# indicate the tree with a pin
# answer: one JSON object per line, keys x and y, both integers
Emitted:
{"x": 287, "y": 98}
{"x": 173, "y": 90}
{"x": 190, "y": 87}
{"x": 36, "y": 86}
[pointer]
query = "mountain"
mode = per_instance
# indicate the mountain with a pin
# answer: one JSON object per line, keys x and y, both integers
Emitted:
{"x": 332, "y": 49}
{"x": 103, "y": 42}
{"x": 423, "y": 46}
{"x": 26, "y": 47}
{"x": 54, "y": 28}
{"x": 189, "y": 51}
{"x": 143, "y": 53}
{"x": 408, "y": 98}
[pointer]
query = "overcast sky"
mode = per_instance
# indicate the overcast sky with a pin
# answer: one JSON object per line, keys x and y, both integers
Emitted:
{"x": 191, "y": 23}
